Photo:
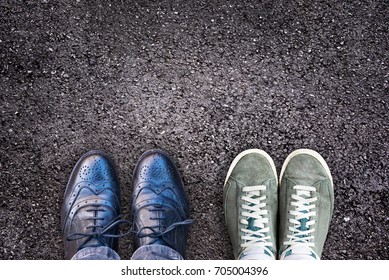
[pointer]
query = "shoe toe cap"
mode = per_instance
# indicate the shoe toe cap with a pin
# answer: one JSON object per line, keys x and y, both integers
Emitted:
{"x": 95, "y": 166}
{"x": 157, "y": 167}
{"x": 253, "y": 169}
{"x": 307, "y": 169}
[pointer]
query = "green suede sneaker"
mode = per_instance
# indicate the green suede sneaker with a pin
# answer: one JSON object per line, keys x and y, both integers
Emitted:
{"x": 306, "y": 205}
{"x": 250, "y": 205}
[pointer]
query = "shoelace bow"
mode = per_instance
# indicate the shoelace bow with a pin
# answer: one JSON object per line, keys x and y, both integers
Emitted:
{"x": 100, "y": 232}
{"x": 302, "y": 219}
{"x": 254, "y": 216}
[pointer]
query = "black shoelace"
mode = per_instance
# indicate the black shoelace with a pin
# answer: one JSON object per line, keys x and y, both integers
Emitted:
{"x": 100, "y": 232}
{"x": 159, "y": 231}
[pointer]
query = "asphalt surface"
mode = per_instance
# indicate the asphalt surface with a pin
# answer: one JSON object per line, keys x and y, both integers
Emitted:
{"x": 202, "y": 80}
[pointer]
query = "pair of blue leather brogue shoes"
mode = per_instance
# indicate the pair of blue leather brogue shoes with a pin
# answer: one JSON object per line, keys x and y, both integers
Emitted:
{"x": 91, "y": 212}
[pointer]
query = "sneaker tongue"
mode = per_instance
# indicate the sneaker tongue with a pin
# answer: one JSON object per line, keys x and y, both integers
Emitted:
{"x": 300, "y": 253}
{"x": 251, "y": 225}
{"x": 255, "y": 253}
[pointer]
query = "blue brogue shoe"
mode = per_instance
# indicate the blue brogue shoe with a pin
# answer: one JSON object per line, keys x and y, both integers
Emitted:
{"x": 160, "y": 210}
{"x": 90, "y": 213}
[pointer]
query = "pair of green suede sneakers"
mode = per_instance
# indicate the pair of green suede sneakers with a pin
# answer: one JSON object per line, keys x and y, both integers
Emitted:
{"x": 287, "y": 218}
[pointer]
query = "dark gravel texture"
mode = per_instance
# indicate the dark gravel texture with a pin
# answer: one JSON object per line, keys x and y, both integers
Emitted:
{"x": 202, "y": 80}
